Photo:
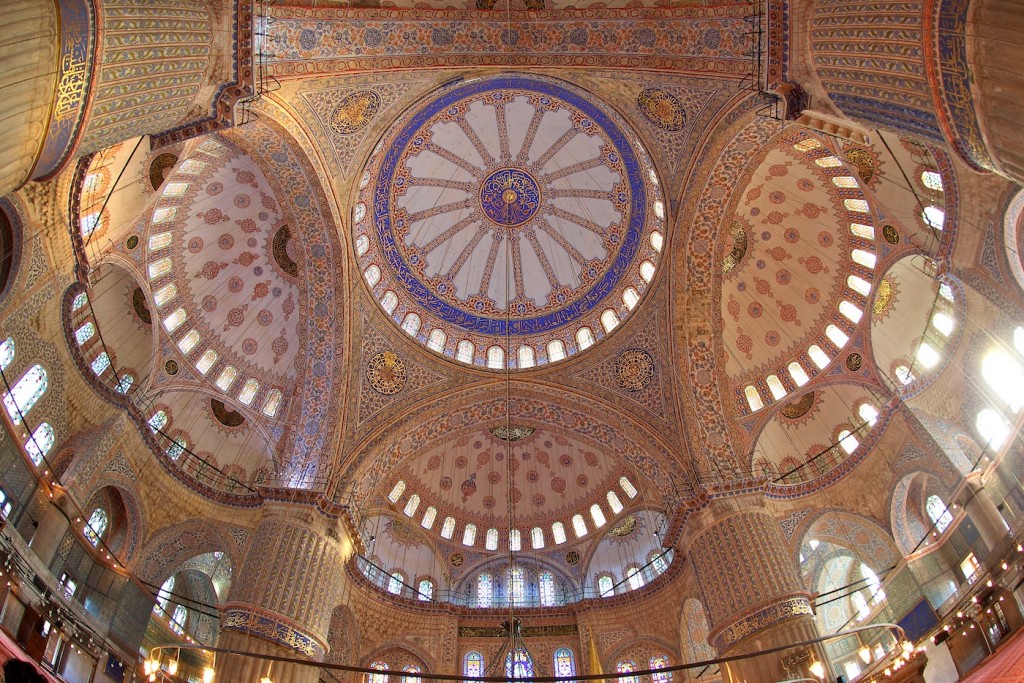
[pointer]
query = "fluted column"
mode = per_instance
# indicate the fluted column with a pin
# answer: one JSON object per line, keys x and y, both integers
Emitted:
{"x": 29, "y": 50}
{"x": 283, "y": 595}
{"x": 752, "y": 590}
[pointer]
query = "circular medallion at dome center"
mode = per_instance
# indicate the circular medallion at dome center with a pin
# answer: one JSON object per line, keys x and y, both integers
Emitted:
{"x": 509, "y": 197}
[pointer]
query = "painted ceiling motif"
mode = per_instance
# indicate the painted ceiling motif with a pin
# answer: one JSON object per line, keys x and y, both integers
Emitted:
{"x": 222, "y": 263}
{"x": 509, "y": 206}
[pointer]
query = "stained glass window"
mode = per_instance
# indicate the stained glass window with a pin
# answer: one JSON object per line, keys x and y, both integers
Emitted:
{"x": 635, "y": 579}
{"x": 659, "y": 209}
{"x": 647, "y": 270}
{"x": 614, "y": 503}
{"x": 425, "y": 592}
{"x": 484, "y": 590}
{"x": 85, "y": 333}
{"x": 547, "y": 589}
{"x": 609, "y": 321}
{"x": 473, "y": 664}
{"x": 868, "y": 413}
{"x": 271, "y": 403}
{"x": 464, "y": 351}
{"x": 631, "y": 297}
{"x": 627, "y": 487}
{"x": 517, "y": 585}
{"x": 40, "y": 443}
{"x": 372, "y": 275}
{"x": 448, "y": 528}
{"x": 903, "y": 374}
{"x": 938, "y": 513}
{"x": 174, "y": 320}
{"x": 657, "y": 240}
{"x": 819, "y": 357}
{"x": 515, "y": 540}
{"x": 227, "y": 376}
{"x": 428, "y": 517}
{"x": 158, "y": 421}
{"x": 100, "y": 363}
{"x": 537, "y": 538}
{"x": 934, "y": 217}
{"x": 469, "y": 535}
{"x": 90, "y": 222}
{"x": 378, "y": 678}
{"x": 496, "y": 358}
{"x": 753, "y": 397}
{"x": 411, "y": 505}
{"x": 6, "y": 353}
{"x": 159, "y": 268}
{"x": 558, "y": 532}
{"x": 624, "y": 667}
{"x": 395, "y": 583}
{"x": 80, "y": 300}
{"x": 437, "y": 340}
{"x": 556, "y": 350}
{"x": 775, "y": 386}
{"x": 176, "y": 448}
{"x": 864, "y": 258}
{"x": 177, "y": 622}
{"x": 165, "y": 294}
{"x": 163, "y": 596}
{"x": 411, "y": 324}
{"x": 125, "y": 384}
{"x": 248, "y": 392}
{"x": 164, "y": 214}
{"x": 660, "y": 662}
{"x": 189, "y": 341}
{"x": 362, "y": 245}
{"x": 159, "y": 241}
{"x": 26, "y": 392}
{"x": 491, "y": 540}
{"x": 658, "y": 562}
{"x": 389, "y": 302}
{"x": 527, "y": 357}
{"x": 598, "y": 515}
{"x": 518, "y": 664}
{"x": 565, "y": 663}
{"x": 932, "y": 180}
{"x": 411, "y": 669}
{"x": 584, "y": 338}
{"x": 605, "y": 586}
{"x": 96, "y": 526}
{"x": 874, "y": 584}
{"x": 579, "y": 525}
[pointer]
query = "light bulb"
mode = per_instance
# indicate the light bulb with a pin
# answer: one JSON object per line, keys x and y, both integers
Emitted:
{"x": 266, "y": 679}
{"x": 172, "y": 667}
{"x": 865, "y": 654}
{"x": 208, "y": 674}
{"x": 888, "y": 672}
{"x": 907, "y": 646}
{"x": 818, "y": 669}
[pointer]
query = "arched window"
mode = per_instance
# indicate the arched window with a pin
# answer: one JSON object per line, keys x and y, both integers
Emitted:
{"x": 464, "y": 352}
{"x": 598, "y": 515}
{"x": 624, "y": 667}
{"x": 850, "y": 311}
{"x": 248, "y": 392}
{"x": 627, "y": 487}
{"x": 85, "y": 333}
{"x": 904, "y": 375}
{"x": 799, "y": 375}
{"x": 163, "y": 596}
{"x": 448, "y": 528}
{"x": 1005, "y": 376}
{"x": 428, "y": 518}
{"x": 158, "y": 421}
{"x": 658, "y": 561}
{"x": 630, "y": 297}
{"x": 660, "y": 662}
{"x": 495, "y": 358}
{"x": 993, "y": 429}
{"x": 517, "y": 585}
{"x": 874, "y": 584}
{"x": 614, "y": 503}
{"x": 6, "y": 353}
{"x": 605, "y": 586}
{"x": 647, "y": 271}
{"x": 635, "y": 579}
{"x": 858, "y": 284}
{"x": 934, "y": 217}
{"x": 411, "y": 505}
{"x": 819, "y": 357}
{"x": 579, "y": 526}
{"x": 395, "y": 583}
{"x": 938, "y": 512}
{"x": 165, "y": 294}
{"x": 40, "y": 443}
{"x": 469, "y": 535}
{"x": 125, "y": 384}
{"x": 868, "y": 413}
{"x": 174, "y": 320}
{"x": 484, "y": 590}
{"x": 609, "y": 321}
{"x": 847, "y": 441}
{"x": 944, "y": 323}
{"x": 753, "y": 397}
{"x": 518, "y": 664}
{"x": 473, "y": 664}
{"x": 206, "y": 361}
{"x": 836, "y": 336}
{"x": 396, "y": 491}
{"x": 372, "y": 275}
{"x": 378, "y": 678}
{"x": 775, "y": 386}
{"x": 547, "y": 589}
{"x": 411, "y": 669}
{"x": 176, "y": 448}
{"x": 177, "y": 623}
{"x": 584, "y": 338}
{"x": 927, "y": 355}
{"x": 271, "y": 403}
{"x": 657, "y": 240}
{"x": 389, "y": 302}
{"x": 26, "y": 392}
{"x": 491, "y": 539}
{"x": 515, "y": 540}
{"x": 860, "y": 603}
{"x": 558, "y": 532}
{"x": 527, "y": 357}
{"x": 227, "y": 376}
{"x": 537, "y": 538}
{"x": 412, "y": 324}
{"x": 556, "y": 351}
{"x": 425, "y": 591}
{"x": 96, "y": 526}
{"x": 81, "y": 299}
{"x": 189, "y": 341}
{"x": 565, "y": 663}
{"x": 362, "y": 245}
{"x": 100, "y": 363}
{"x": 437, "y": 340}
{"x": 932, "y": 180}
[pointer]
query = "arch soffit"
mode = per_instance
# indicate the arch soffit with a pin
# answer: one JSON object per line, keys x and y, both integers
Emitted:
{"x": 908, "y": 497}
{"x": 650, "y": 645}
{"x": 426, "y": 539}
{"x": 865, "y": 537}
{"x": 170, "y": 547}
{"x": 391, "y": 649}
{"x": 136, "y": 524}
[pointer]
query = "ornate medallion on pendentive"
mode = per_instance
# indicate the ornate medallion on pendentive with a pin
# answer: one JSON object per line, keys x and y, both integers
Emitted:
{"x": 891, "y": 234}
{"x": 572, "y": 557}
{"x": 854, "y": 362}
{"x": 661, "y": 108}
{"x": 386, "y": 372}
{"x": 634, "y": 369}
{"x": 354, "y": 112}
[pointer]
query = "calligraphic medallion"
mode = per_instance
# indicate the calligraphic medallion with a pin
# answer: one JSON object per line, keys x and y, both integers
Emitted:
{"x": 634, "y": 369}
{"x": 386, "y": 372}
{"x": 354, "y": 112}
{"x": 509, "y": 197}
{"x": 662, "y": 108}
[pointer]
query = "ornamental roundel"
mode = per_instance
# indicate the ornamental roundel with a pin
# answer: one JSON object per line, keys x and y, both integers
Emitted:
{"x": 354, "y": 112}
{"x": 634, "y": 369}
{"x": 624, "y": 528}
{"x": 509, "y": 208}
{"x": 854, "y": 362}
{"x": 662, "y": 108}
{"x": 456, "y": 559}
{"x": 386, "y": 372}
{"x": 798, "y": 407}
{"x": 891, "y": 234}
{"x": 572, "y": 557}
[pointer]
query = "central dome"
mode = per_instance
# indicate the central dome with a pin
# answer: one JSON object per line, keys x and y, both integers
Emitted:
{"x": 509, "y": 211}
